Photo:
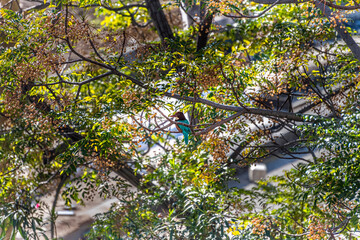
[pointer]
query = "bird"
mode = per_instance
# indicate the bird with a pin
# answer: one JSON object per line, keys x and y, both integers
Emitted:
{"x": 180, "y": 117}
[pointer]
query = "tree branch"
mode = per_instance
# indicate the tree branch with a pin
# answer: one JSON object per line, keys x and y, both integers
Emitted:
{"x": 208, "y": 129}
{"x": 280, "y": 2}
{"x": 350, "y": 42}
{"x": 256, "y": 16}
{"x": 77, "y": 83}
{"x": 341, "y": 7}
{"x": 115, "y": 9}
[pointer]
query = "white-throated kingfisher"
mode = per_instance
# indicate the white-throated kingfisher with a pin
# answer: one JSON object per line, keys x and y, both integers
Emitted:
{"x": 180, "y": 117}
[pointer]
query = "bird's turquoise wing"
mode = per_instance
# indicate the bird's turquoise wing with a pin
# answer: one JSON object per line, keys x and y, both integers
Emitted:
{"x": 185, "y": 130}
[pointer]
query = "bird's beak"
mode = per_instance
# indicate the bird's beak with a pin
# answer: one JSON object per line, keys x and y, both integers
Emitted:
{"x": 172, "y": 116}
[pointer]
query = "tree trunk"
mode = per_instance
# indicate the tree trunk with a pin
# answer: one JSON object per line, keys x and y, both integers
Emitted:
{"x": 158, "y": 17}
{"x": 204, "y": 32}
{"x": 206, "y": 20}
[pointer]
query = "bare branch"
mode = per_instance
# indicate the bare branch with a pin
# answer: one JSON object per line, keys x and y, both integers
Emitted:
{"x": 10, "y": 171}
{"x": 95, "y": 49}
{"x": 255, "y": 16}
{"x": 208, "y": 129}
{"x": 341, "y": 7}
{"x": 77, "y": 83}
{"x": 280, "y": 2}
{"x": 115, "y": 9}
{"x": 330, "y": 4}
{"x": 255, "y": 111}
{"x": 151, "y": 130}
{"x": 72, "y": 61}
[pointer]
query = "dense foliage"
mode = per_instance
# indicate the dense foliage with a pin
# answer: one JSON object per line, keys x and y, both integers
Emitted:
{"x": 87, "y": 88}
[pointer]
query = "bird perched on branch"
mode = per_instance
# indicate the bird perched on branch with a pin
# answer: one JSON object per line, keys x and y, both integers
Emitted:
{"x": 180, "y": 117}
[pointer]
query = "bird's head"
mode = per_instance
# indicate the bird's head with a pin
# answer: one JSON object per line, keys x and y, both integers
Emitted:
{"x": 179, "y": 116}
